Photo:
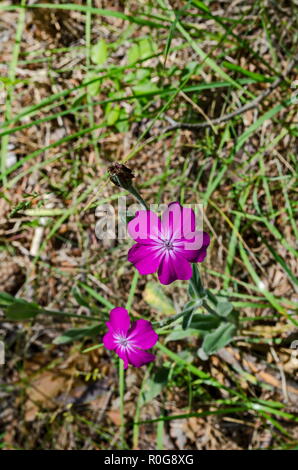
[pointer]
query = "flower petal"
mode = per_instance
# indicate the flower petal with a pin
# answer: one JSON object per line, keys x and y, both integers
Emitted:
{"x": 122, "y": 353}
{"x": 142, "y": 334}
{"x": 173, "y": 267}
{"x": 177, "y": 221}
{"x": 138, "y": 358}
{"x": 201, "y": 256}
{"x": 144, "y": 227}
{"x": 119, "y": 320}
{"x": 199, "y": 243}
{"x": 145, "y": 258}
{"x": 108, "y": 341}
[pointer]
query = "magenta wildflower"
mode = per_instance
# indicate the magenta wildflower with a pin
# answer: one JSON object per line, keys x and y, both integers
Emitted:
{"x": 128, "y": 341}
{"x": 168, "y": 245}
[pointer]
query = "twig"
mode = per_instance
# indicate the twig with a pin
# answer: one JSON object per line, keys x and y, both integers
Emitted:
{"x": 167, "y": 321}
{"x": 226, "y": 117}
{"x": 198, "y": 108}
{"x": 282, "y": 374}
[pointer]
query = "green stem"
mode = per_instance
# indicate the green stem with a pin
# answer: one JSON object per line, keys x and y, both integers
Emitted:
{"x": 137, "y": 195}
{"x": 196, "y": 282}
{"x": 121, "y": 394}
{"x": 167, "y": 321}
{"x": 88, "y": 62}
{"x": 136, "y": 426}
{"x": 198, "y": 288}
{"x": 209, "y": 309}
{"x": 211, "y": 297}
{"x": 10, "y": 87}
{"x": 159, "y": 434}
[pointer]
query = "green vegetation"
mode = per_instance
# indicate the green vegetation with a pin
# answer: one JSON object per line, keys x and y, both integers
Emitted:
{"x": 198, "y": 98}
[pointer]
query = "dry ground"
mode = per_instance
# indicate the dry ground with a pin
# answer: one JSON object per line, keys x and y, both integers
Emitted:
{"x": 62, "y": 137}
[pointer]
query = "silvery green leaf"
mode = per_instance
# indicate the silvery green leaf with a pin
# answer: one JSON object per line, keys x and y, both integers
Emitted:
{"x": 219, "y": 338}
{"x": 224, "y": 308}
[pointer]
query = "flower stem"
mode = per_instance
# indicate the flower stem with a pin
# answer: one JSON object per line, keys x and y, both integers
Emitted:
{"x": 121, "y": 394}
{"x": 196, "y": 282}
{"x": 209, "y": 309}
{"x": 167, "y": 321}
{"x": 138, "y": 197}
{"x": 136, "y": 426}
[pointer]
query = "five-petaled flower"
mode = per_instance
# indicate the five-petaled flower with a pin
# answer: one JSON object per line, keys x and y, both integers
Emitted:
{"x": 168, "y": 245}
{"x": 129, "y": 341}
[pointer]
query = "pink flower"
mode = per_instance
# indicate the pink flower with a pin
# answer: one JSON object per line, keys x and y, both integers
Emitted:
{"x": 128, "y": 341}
{"x": 168, "y": 245}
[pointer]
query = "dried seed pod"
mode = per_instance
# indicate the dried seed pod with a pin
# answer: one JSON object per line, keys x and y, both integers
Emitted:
{"x": 120, "y": 175}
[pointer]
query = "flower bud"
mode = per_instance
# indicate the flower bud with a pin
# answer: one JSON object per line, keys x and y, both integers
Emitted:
{"x": 120, "y": 175}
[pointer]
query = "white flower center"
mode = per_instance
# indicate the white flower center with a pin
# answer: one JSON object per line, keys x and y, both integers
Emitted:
{"x": 123, "y": 341}
{"x": 168, "y": 245}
